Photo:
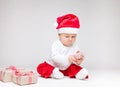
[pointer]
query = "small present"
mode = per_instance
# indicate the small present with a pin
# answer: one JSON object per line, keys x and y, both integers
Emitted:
{"x": 25, "y": 79}
{"x": 6, "y": 75}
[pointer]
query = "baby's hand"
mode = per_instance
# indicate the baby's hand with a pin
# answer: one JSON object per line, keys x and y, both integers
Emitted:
{"x": 79, "y": 58}
{"x": 72, "y": 59}
{"x": 79, "y": 61}
{"x": 79, "y": 55}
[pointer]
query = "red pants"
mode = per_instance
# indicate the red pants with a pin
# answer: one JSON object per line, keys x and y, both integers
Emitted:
{"x": 45, "y": 70}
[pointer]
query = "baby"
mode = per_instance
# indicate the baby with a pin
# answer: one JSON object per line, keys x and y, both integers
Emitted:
{"x": 65, "y": 58}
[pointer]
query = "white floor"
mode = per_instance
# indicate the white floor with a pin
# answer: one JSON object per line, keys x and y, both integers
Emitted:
{"x": 97, "y": 78}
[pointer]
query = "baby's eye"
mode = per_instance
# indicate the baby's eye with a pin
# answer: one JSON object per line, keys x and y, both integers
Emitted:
{"x": 73, "y": 36}
{"x": 67, "y": 36}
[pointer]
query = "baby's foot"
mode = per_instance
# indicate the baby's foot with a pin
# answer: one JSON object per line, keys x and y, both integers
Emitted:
{"x": 82, "y": 74}
{"x": 57, "y": 74}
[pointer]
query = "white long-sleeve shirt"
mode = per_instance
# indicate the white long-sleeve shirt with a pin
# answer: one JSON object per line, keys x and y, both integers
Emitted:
{"x": 60, "y": 53}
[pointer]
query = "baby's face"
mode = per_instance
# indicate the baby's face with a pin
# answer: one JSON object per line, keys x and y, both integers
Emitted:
{"x": 67, "y": 39}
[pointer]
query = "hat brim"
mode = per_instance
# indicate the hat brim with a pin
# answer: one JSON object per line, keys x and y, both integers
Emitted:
{"x": 68, "y": 30}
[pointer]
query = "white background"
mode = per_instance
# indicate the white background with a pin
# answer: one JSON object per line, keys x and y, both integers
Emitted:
{"x": 27, "y": 31}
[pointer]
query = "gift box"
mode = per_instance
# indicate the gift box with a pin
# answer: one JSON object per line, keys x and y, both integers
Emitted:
{"x": 6, "y": 75}
{"x": 25, "y": 79}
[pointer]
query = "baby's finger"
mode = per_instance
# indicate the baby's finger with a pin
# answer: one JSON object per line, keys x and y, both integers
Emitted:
{"x": 74, "y": 59}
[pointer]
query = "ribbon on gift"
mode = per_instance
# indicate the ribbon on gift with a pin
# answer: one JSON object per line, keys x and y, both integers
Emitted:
{"x": 12, "y": 68}
{"x": 29, "y": 74}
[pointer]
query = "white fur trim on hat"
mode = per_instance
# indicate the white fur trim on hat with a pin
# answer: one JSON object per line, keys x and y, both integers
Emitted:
{"x": 68, "y": 30}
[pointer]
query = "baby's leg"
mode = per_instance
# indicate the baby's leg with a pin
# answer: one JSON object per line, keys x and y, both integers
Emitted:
{"x": 82, "y": 74}
{"x": 57, "y": 74}
{"x": 45, "y": 69}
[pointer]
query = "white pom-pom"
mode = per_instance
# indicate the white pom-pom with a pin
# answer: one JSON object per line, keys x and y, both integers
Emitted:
{"x": 55, "y": 24}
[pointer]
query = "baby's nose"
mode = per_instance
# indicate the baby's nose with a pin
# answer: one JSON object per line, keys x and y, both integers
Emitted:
{"x": 70, "y": 38}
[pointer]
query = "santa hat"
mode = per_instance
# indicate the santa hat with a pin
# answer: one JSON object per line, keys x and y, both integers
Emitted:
{"x": 68, "y": 23}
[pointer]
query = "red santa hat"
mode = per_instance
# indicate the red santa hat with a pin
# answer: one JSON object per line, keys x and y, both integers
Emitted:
{"x": 68, "y": 23}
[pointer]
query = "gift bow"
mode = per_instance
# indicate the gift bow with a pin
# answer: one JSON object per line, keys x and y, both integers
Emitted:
{"x": 12, "y": 68}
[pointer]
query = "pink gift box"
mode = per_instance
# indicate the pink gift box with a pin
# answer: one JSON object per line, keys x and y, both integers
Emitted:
{"x": 25, "y": 79}
{"x": 6, "y": 75}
